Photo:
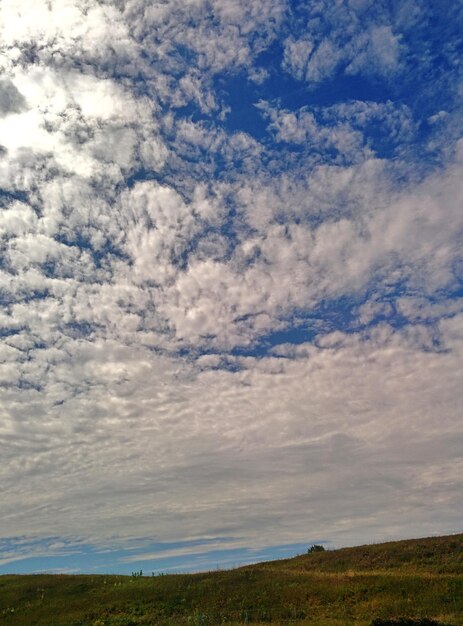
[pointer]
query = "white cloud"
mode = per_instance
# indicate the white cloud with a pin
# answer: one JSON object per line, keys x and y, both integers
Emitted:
{"x": 296, "y": 56}
{"x": 167, "y": 441}
{"x": 83, "y": 122}
{"x": 17, "y": 219}
{"x": 64, "y": 32}
{"x": 377, "y": 52}
{"x": 349, "y": 46}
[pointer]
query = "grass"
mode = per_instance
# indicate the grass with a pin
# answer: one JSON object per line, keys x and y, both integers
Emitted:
{"x": 417, "y": 579}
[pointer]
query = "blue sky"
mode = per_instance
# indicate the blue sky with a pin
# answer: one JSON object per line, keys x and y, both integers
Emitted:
{"x": 231, "y": 279}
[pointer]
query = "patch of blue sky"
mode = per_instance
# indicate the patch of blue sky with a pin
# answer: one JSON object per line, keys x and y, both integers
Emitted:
{"x": 218, "y": 559}
{"x": 10, "y": 297}
{"x": 7, "y": 195}
{"x": 240, "y": 95}
{"x": 425, "y": 66}
{"x": 78, "y": 238}
{"x": 27, "y": 385}
{"x": 301, "y": 332}
{"x": 79, "y": 330}
{"x": 140, "y": 175}
{"x": 11, "y": 332}
{"x": 56, "y": 555}
{"x": 44, "y": 556}
{"x": 341, "y": 314}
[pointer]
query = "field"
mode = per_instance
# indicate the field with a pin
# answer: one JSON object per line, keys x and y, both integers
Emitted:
{"x": 418, "y": 579}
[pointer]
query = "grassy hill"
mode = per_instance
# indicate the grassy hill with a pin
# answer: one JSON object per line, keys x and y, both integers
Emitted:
{"x": 416, "y": 579}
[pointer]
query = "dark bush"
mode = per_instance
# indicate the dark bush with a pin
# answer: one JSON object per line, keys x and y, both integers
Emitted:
{"x": 315, "y": 548}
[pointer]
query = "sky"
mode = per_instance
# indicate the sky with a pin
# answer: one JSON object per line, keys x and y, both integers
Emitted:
{"x": 231, "y": 279}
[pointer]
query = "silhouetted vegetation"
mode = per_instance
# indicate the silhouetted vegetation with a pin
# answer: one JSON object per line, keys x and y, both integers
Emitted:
{"x": 315, "y": 548}
{"x": 420, "y": 580}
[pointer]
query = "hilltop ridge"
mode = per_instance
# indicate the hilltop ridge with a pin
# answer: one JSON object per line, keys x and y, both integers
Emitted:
{"x": 428, "y": 554}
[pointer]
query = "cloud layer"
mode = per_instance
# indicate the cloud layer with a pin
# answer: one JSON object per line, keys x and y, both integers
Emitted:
{"x": 230, "y": 277}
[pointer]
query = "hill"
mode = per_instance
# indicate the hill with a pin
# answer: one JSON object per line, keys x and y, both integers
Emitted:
{"x": 420, "y": 579}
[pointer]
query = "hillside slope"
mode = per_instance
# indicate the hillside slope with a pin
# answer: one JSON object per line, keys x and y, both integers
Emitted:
{"x": 438, "y": 555}
{"x": 419, "y": 579}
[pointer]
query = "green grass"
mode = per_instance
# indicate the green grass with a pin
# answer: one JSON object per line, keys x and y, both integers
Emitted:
{"x": 416, "y": 579}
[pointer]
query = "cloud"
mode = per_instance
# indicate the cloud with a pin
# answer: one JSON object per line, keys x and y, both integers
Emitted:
{"x": 296, "y": 56}
{"x": 379, "y": 52}
{"x": 205, "y": 325}
{"x": 177, "y": 462}
{"x": 347, "y": 38}
{"x": 11, "y": 100}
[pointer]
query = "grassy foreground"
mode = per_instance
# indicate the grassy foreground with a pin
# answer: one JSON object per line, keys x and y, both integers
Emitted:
{"x": 420, "y": 578}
